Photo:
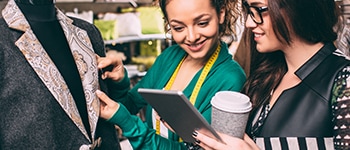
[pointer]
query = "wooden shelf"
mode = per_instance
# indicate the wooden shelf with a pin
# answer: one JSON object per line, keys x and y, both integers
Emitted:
{"x": 143, "y": 37}
{"x": 99, "y": 6}
{"x": 131, "y": 2}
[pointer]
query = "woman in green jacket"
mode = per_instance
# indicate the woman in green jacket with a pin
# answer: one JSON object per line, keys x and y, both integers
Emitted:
{"x": 199, "y": 65}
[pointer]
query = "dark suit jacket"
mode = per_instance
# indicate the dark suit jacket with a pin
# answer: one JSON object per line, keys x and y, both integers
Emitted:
{"x": 37, "y": 110}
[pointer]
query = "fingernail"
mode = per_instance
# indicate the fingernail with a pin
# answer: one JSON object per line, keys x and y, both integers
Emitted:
{"x": 161, "y": 119}
{"x": 98, "y": 92}
{"x": 197, "y": 141}
{"x": 194, "y": 134}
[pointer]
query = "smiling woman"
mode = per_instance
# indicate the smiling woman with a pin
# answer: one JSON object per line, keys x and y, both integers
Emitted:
{"x": 199, "y": 65}
{"x": 298, "y": 83}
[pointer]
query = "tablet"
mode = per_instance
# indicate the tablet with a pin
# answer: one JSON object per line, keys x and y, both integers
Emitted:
{"x": 178, "y": 112}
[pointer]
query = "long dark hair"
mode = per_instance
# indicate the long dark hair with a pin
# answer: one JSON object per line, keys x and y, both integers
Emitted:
{"x": 266, "y": 71}
{"x": 310, "y": 20}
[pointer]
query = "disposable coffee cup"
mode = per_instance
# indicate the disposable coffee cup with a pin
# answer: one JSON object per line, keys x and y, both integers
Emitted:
{"x": 230, "y": 111}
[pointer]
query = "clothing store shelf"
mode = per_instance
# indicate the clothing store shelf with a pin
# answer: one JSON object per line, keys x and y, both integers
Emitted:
{"x": 143, "y": 37}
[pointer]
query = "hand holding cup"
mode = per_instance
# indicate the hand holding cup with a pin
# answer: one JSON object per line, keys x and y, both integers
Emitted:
{"x": 230, "y": 112}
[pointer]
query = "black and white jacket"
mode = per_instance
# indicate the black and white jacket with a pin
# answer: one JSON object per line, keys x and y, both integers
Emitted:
{"x": 302, "y": 116}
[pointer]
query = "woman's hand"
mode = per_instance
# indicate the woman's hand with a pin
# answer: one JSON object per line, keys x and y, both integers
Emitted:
{"x": 164, "y": 123}
{"x": 112, "y": 66}
{"x": 108, "y": 107}
{"x": 232, "y": 143}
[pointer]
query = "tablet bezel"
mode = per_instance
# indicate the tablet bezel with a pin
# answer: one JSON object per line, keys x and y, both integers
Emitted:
{"x": 184, "y": 121}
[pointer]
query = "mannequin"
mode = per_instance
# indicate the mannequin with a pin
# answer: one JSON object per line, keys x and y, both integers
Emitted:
{"x": 48, "y": 76}
{"x": 41, "y": 15}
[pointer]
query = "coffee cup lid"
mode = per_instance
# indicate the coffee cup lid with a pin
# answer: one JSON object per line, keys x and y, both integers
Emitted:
{"x": 231, "y": 101}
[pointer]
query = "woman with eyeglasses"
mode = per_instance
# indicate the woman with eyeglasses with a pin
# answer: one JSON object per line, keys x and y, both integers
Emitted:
{"x": 299, "y": 82}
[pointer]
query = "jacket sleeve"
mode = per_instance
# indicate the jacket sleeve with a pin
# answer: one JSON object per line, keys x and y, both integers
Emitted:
{"x": 139, "y": 134}
{"x": 131, "y": 99}
{"x": 340, "y": 100}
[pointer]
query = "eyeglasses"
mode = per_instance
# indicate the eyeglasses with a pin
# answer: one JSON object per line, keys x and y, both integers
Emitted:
{"x": 255, "y": 12}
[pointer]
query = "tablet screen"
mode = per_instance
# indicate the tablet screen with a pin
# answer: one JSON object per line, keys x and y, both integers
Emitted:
{"x": 178, "y": 112}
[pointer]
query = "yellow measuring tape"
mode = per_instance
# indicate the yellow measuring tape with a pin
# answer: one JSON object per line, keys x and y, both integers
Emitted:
{"x": 199, "y": 83}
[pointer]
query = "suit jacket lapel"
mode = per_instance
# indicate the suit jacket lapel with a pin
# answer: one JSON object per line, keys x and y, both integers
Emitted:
{"x": 37, "y": 57}
{"x": 85, "y": 59}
